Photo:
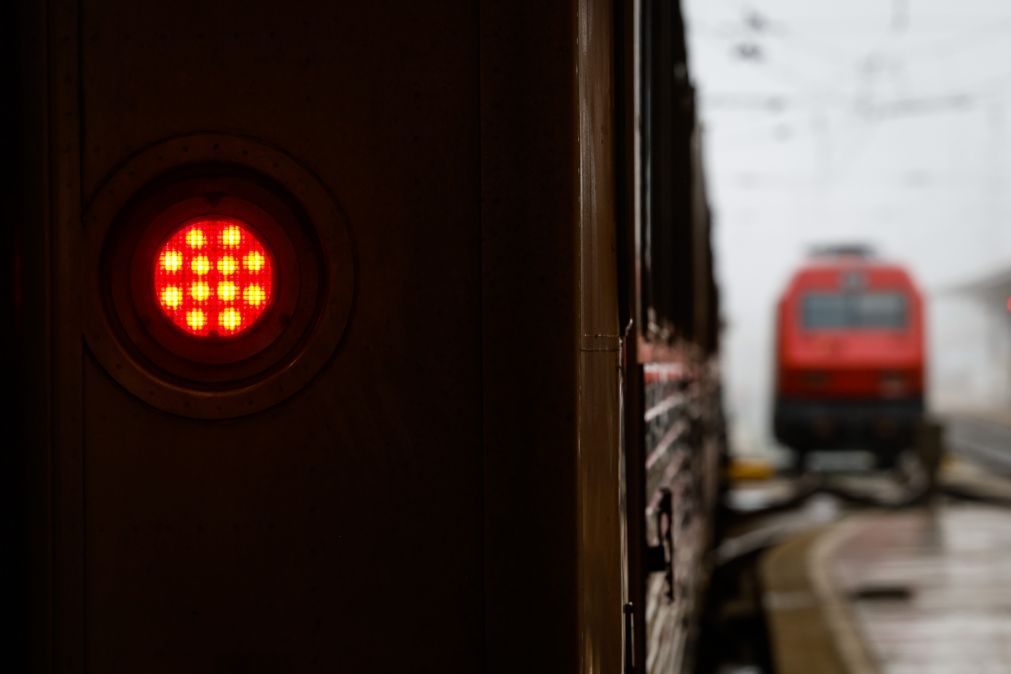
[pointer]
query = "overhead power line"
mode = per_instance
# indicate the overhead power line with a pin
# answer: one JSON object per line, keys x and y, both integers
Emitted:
{"x": 878, "y": 109}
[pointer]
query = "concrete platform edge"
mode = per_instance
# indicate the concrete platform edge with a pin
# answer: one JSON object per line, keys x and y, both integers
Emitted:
{"x": 810, "y": 623}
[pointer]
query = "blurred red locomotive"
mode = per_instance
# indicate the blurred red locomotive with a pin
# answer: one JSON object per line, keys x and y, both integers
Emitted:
{"x": 849, "y": 356}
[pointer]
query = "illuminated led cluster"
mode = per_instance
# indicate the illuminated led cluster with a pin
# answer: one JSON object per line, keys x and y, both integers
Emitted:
{"x": 213, "y": 277}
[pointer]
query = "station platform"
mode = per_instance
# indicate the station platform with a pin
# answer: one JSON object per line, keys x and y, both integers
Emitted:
{"x": 921, "y": 590}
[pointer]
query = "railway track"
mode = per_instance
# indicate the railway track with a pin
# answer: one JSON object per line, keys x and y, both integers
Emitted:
{"x": 984, "y": 441}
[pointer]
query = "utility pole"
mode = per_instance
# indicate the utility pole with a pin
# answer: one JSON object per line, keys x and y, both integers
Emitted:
{"x": 995, "y": 185}
{"x": 900, "y": 15}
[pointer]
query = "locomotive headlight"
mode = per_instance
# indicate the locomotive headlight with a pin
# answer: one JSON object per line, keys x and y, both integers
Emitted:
{"x": 893, "y": 385}
{"x": 816, "y": 378}
{"x": 214, "y": 277}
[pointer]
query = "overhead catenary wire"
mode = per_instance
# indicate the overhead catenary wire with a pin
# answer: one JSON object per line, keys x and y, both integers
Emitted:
{"x": 859, "y": 96}
{"x": 865, "y": 91}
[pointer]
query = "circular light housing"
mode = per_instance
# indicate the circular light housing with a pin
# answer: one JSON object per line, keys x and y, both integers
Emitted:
{"x": 174, "y": 312}
{"x": 214, "y": 278}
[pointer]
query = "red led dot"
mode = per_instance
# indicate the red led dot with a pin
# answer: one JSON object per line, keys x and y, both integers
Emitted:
{"x": 213, "y": 278}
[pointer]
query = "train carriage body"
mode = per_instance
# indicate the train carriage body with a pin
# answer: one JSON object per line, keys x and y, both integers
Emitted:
{"x": 333, "y": 347}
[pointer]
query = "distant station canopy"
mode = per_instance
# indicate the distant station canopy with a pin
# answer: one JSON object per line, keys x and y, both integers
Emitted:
{"x": 842, "y": 250}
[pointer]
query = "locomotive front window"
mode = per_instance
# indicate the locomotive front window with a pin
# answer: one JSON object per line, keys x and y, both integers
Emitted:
{"x": 867, "y": 310}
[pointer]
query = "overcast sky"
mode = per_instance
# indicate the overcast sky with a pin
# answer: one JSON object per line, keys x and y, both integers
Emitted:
{"x": 880, "y": 121}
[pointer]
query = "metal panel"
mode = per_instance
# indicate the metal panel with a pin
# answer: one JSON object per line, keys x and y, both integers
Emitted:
{"x": 305, "y": 537}
{"x": 603, "y": 588}
{"x": 528, "y": 191}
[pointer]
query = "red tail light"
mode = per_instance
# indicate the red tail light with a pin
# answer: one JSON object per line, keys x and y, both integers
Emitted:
{"x": 220, "y": 276}
{"x": 214, "y": 278}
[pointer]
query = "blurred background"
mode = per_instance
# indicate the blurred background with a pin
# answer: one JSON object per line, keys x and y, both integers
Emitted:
{"x": 886, "y": 123}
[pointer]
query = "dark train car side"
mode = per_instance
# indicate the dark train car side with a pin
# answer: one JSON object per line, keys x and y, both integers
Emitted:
{"x": 675, "y": 432}
{"x": 850, "y": 357}
{"x": 363, "y": 337}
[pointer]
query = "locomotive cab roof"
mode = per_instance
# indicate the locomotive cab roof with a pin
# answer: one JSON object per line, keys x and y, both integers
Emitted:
{"x": 847, "y": 272}
{"x": 849, "y": 250}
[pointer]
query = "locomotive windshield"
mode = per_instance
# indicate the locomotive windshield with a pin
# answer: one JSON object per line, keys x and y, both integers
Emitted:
{"x": 867, "y": 310}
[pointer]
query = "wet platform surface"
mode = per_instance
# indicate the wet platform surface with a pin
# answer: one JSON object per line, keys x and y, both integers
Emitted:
{"x": 930, "y": 590}
{"x": 924, "y": 590}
